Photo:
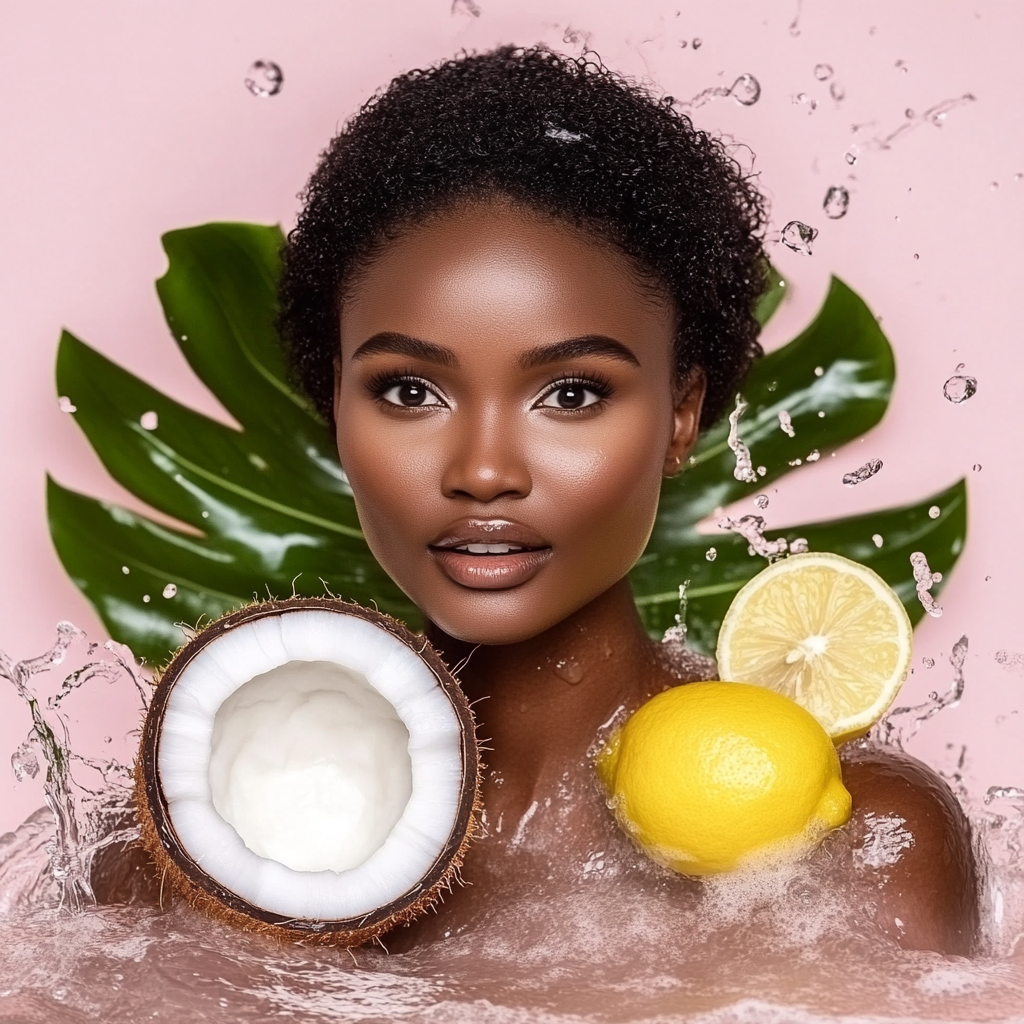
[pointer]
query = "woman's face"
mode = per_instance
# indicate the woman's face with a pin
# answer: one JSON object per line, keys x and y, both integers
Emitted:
{"x": 507, "y": 406}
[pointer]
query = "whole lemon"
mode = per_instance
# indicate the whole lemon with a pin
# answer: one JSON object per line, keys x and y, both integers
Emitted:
{"x": 708, "y": 776}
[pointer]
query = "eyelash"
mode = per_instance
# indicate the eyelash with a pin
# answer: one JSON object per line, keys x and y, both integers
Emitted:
{"x": 380, "y": 383}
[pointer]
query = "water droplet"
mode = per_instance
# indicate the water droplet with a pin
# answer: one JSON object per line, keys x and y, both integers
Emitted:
{"x": 837, "y": 91}
{"x": 786, "y": 423}
{"x": 698, "y": 43}
{"x": 125, "y": 569}
{"x": 746, "y": 90}
{"x": 149, "y": 420}
{"x": 819, "y": 371}
{"x": 924, "y": 579}
{"x": 934, "y": 512}
{"x": 958, "y": 389}
{"x": 798, "y": 546}
{"x": 259, "y": 462}
{"x": 807, "y": 101}
{"x": 572, "y": 35}
{"x": 773, "y": 386}
{"x": 569, "y": 670}
{"x": 993, "y": 185}
{"x": 711, "y": 554}
{"x": 206, "y": 515}
{"x": 868, "y": 470}
{"x": 821, "y": 414}
{"x": 108, "y": 739}
{"x": 798, "y": 236}
{"x": 796, "y": 462}
{"x": 909, "y": 112}
{"x": 170, "y": 590}
{"x": 928, "y": 662}
{"x": 684, "y": 44}
{"x": 264, "y": 78}
{"x": 851, "y": 155}
{"x": 902, "y": 66}
{"x": 917, "y": 255}
{"x": 878, "y": 539}
{"x": 64, "y": 404}
{"x": 762, "y": 470}
{"x": 813, "y": 456}
{"x": 1018, "y": 176}
{"x": 822, "y": 72}
{"x": 761, "y": 501}
{"x": 24, "y": 762}
{"x": 837, "y": 200}
{"x": 976, "y": 467}
{"x": 145, "y": 598}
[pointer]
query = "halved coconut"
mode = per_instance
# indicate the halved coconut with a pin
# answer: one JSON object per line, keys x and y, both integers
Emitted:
{"x": 308, "y": 767}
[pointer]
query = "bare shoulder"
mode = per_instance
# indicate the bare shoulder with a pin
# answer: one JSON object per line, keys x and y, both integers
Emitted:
{"x": 909, "y": 843}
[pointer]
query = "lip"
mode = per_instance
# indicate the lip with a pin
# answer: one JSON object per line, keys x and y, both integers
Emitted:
{"x": 484, "y": 570}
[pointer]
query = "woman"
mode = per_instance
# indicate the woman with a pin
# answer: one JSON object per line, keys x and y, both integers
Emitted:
{"x": 518, "y": 289}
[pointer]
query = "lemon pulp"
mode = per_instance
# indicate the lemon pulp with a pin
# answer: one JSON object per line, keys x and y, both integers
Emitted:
{"x": 707, "y": 777}
{"x": 825, "y": 631}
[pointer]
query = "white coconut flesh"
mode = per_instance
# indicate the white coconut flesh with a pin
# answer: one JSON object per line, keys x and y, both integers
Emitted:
{"x": 311, "y": 763}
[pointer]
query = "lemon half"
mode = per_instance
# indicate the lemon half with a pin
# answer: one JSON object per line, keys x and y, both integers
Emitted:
{"x": 825, "y": 631}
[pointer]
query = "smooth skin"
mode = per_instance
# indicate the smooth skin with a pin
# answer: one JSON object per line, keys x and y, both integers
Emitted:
{"x": 500, "y": 368}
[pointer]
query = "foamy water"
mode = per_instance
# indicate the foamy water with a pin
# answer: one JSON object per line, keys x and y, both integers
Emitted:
{"x": 626, "y": 942}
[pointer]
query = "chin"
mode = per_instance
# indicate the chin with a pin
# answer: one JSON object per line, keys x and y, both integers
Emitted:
{"x": 494, "y": 617}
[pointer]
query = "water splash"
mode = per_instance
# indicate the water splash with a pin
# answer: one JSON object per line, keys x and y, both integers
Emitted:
{"x": 751, "y": 529}
{"x": 865, "y": 472}
{"x": 746, "y": 91}
{"x": 264, "y": 78}
{"x": 1004, "y": 793}
{"x": 958, "y": 389}
{"x": 467, "y": 7}
{"x": 924, "y": 580}
{"x": 799, "y": 237}
{"x": 786, "y": 424}
{"x": 837, "y": 201}
{"x": 744, "y": 469}
{"x": 677, "y": 634}
{"x": 71, "y": 849}
{"x": 935, "y": 116}
{"x": 1010, "y": 661}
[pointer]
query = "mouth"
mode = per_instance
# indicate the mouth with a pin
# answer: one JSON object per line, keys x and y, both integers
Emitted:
{"x": 489, "y": 554}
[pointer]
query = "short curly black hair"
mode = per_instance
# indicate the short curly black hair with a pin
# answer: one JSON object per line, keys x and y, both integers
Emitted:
{"x": 564, "y": 136}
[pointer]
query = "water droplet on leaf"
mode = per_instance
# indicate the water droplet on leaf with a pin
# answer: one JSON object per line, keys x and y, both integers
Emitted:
{"x": 170, "y": 590}
{"x": 934, "y": 512}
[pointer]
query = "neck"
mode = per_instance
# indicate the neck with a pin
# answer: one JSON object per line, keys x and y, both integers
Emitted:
{"x": 540, "y": 703}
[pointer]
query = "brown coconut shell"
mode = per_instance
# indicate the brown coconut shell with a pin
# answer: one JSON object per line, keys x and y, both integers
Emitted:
{"x": 182, "y": 875}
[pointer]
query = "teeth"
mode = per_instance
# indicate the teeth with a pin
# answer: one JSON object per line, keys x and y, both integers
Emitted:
{"x": 489, "y": 549}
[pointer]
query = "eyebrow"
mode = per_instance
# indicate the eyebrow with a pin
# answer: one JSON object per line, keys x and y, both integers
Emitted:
{"x": 573, "y": 348}
{"x": 403, "y": 345}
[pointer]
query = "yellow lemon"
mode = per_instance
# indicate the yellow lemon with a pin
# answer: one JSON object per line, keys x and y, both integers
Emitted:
{"x": 708, "y": 776}
{"x": 825, "y": 631}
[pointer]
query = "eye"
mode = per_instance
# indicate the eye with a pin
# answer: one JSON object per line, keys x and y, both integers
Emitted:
{"x": 410, "y": 394}
{"x": 570, "y": 395}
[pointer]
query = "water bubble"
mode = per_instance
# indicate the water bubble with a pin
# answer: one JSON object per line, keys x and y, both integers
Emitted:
{"x": 909, "y": 112}
{"x": 205, "y": 514}
{"x": 877, "y": 539}
{"x": 170, "y": 590}
{"x": 798, "y": 546}
{"x": 934, "y": 512}
{"x": 798, "y": 236}
{"x": 264, "y": 78}
{"x": 64, "y": 404}
{"x": 837, "y": 91}
{"x": 917, "y": 255}
{"x": 822, "y": 72}
{"x": 744, "y": 469}
{"x": 851, "y": 155}
{"x": 569, "y": 670}
{"x": 821, "y": 414}
{"x": 958, "y": 389}
{"x": 924, "y": 579}
{"x": 108, "y": 739}
{"x": 711, "y": 554}
{"x": 786, "y": 423}
{"x": 813, "y": 456}
{"x": 976, "y": 467}
{"x": 928, "y": 662}
{"x": 865, "y": 472}
{"x": 837, "y": 200}
{"x": 24, "y": 762}
{"x": 819, "y": 371}
{"x": 746, "y": 90}
{"x": 698, "y": 43}
{"x": 125, "y": 569}
{"x": 145, "y": 598}
{"x": 761, "y": 501}
{"x": 149, "y": 420}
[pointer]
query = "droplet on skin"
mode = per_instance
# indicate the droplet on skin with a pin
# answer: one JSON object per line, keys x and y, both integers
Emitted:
{"x": 934, "y": 512}
{"x": 837, "y": 201}
{"x": 64, "y": 404}
{"x": 149, "y": 420}
{"x": 170, "y": 590}
{"x": 799, "y": 237}
{"x": 958, "y": 389}
{"x": 265, "y": 78}
{"x": 711, "y": 554}
{"x": 822, "y": 72}
{"x": 865, "y": 472}
{"x": 878, "y": 539}
{"x": 569, "y": 670}
{"x": 786, "y": 424}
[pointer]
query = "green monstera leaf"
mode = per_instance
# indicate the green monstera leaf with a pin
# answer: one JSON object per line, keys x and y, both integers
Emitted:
{"x": 264, "y": 508}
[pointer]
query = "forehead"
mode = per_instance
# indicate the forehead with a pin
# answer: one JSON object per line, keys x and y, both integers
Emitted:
{"x": 491, "y": 272}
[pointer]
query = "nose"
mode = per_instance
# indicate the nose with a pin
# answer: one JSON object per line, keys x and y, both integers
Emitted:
{"x": 486, "y": 460}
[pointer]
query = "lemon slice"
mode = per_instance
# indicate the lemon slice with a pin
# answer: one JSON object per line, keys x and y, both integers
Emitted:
{"x": 824, "y": 631}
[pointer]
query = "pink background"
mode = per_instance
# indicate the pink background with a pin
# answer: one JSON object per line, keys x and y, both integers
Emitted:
{"x": 121, "y": 120}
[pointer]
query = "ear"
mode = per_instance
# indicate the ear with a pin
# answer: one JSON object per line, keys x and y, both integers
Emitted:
{"x": 689, "y": 400}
